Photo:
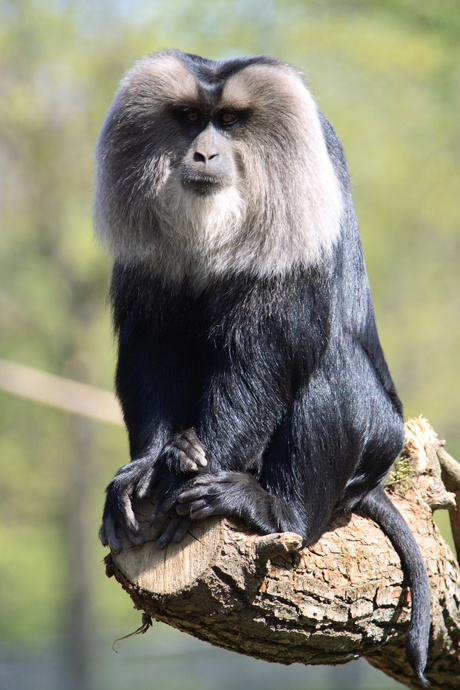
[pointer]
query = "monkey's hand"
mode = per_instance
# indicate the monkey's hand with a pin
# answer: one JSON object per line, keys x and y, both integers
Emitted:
{"x": 184, "y": 453}
{"x": 164, "y": 477}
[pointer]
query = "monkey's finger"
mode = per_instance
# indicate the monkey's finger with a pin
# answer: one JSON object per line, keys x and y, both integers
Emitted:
{"x": 187, "y": 463}
{"x": 164, "y": 501}
{"x": 162, "y": 513}
{"x": 128, "y": 512}
{"x": 182, "y": 529}
{"x": 169, "y": 532}
{"x": 191, "y": 446}
{"x": 189, "y": 495}
{"x": 136, "y": 539}
{"x": 156, "y": 529}
{"x": 145, "y": 486}
{"x": 196, "y": 492}
{"x": 202, "y": 510}
{"x": 209, "y": 480}
{"x": 110, "y": 533}
{"x": 185, "y": 503}
{"x": 183, "y": 509}
{"x": 157, "y": 522}
{"x": 193, "y": 509}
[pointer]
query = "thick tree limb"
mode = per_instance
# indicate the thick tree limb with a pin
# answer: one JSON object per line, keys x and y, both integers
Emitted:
{"x": 340, "y": 599}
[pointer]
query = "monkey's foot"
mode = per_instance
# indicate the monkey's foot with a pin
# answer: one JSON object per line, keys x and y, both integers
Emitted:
{"x": 235, "y": 494}
{"x": 239, "y": 495}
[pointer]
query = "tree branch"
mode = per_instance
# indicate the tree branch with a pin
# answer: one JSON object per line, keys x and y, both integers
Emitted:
{"x": 342, "y": 598}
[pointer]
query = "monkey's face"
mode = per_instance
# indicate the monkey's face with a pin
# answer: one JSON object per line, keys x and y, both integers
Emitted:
{"x": 222, "y": 161}
{"x": 209, "y": 164}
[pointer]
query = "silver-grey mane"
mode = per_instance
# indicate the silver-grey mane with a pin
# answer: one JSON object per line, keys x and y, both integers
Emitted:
{"x": 283, "y": 208}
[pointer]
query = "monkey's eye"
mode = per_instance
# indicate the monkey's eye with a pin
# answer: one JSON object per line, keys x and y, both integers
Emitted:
{"x": 228, "y": 118}
{"x": 191, "y": 115}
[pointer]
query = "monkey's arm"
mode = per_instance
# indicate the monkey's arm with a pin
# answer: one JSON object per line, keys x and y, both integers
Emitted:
{"x": 155, "y": 390}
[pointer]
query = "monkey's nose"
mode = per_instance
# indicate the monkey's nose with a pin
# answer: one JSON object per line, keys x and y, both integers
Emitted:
{"x": 204, "y": 157}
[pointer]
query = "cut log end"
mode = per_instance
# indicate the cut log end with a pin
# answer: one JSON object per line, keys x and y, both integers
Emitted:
{"x": 174, "y": 568}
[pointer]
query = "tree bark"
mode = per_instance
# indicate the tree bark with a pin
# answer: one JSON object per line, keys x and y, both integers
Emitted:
{"x": 342, "y": 598}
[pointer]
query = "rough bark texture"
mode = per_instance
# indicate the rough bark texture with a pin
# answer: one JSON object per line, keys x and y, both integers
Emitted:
{"x": 340, "y": 599}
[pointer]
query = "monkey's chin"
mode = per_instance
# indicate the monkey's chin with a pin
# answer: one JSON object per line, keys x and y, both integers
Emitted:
{"x": 202, "y": 187}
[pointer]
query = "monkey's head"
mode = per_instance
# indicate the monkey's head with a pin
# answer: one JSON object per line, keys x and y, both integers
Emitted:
{"x": 209, "y": 166}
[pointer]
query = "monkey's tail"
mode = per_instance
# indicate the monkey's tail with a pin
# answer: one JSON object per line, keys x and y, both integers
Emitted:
{"x": 379, "y": 508}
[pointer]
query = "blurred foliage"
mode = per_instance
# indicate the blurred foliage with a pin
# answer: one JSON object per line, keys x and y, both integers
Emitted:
{"x": 388, "y": 77}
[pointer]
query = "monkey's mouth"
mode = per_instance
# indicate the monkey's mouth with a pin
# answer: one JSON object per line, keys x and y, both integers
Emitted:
{"x": 202, "y": 184}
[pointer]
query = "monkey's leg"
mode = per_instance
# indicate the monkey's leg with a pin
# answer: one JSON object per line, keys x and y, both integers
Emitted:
{"x": 304, "y": 469}
{"x": 298, "y": 481}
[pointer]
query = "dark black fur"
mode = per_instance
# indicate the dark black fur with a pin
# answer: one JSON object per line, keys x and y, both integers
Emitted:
{"x": 281, "y": 382}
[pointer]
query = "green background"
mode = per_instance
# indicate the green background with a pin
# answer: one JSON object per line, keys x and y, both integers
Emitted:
{"x": 387, "y": 75}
